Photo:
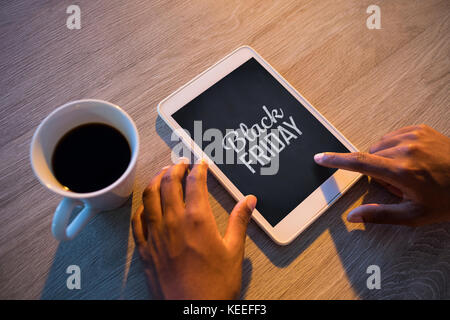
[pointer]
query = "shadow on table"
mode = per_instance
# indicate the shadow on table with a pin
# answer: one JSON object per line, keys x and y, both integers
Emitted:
{"x": 100, "y": 250}
{"x": 105, "y": 271}
{"x": 412, "y": 260}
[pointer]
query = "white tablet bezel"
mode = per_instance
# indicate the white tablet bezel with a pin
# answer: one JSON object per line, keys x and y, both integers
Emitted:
{"x": 309, "y": 209}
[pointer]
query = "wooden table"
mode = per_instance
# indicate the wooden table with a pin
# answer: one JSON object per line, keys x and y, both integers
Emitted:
{"x": 366, "y": 82}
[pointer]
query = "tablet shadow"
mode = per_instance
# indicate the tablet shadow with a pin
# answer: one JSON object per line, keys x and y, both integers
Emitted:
{"x": 165, "y": 132}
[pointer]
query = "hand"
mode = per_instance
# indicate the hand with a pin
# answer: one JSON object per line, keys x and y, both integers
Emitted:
{"x": 412, "y": 163}
{"x": 185, "y": 256}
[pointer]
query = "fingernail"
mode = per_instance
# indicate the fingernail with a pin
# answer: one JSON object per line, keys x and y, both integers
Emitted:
{"x": 354, "y": 218}
{"x": 201, "y": 161}
{"x": 183, "y": 160}
{"x": 251, "y": 202}
{"x": 319, "y": 157}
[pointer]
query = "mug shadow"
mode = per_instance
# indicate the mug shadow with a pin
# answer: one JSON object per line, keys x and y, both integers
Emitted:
{"x": 101, "y": 266}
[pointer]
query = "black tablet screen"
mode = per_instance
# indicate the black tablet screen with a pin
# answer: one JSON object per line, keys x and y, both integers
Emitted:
{"x": 267, "y": 138}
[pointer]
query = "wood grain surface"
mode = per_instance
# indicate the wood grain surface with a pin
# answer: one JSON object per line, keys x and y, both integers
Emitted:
{"x": 135, "y": 53}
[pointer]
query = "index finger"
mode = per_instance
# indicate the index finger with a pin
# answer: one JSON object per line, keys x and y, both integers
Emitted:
{"x": 399, "y": 131}
{"x": 196, "y": 187}
{"x": 368, "y": 164}
{"x": 151, "y": 200}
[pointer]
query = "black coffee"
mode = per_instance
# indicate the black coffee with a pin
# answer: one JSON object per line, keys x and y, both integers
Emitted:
{"x": 90, "y": 157}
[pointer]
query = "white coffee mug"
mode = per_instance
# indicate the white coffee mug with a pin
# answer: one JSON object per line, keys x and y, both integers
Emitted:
{"x": 44, "y": 141}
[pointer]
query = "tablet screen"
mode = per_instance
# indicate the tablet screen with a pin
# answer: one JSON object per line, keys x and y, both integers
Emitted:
{"x": 261, "y": 137}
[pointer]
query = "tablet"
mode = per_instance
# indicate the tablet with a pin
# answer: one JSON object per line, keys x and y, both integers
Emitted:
{"x": 259, "y": 136}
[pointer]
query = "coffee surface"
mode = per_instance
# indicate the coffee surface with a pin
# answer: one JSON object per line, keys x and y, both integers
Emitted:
{"x": 90, "y": 157}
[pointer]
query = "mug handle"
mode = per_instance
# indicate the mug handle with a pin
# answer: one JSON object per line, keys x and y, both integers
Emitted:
{"x": 65, "y": 208}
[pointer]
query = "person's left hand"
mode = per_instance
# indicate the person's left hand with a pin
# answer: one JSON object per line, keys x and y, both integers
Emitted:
{"x": 185, "y": 256}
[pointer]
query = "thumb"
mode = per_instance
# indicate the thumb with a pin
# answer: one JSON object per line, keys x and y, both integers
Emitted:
{"x": 401, "y": 213}
{"x": 238, "y": 221}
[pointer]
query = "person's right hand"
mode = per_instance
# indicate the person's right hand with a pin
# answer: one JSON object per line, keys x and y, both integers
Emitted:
{"x": 184, "y": 254}
{"x": 412, "y": 163}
